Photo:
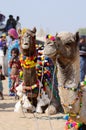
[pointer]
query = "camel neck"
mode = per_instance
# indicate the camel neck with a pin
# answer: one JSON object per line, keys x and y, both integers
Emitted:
{"x": 69, "y": 74}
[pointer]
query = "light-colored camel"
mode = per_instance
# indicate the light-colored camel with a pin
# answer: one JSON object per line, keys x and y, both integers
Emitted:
{"x": 64, "y": 52}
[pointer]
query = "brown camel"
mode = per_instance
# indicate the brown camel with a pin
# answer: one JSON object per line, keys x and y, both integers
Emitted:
{"x": 64, "y": 52}
{"x": 28, "y": 61}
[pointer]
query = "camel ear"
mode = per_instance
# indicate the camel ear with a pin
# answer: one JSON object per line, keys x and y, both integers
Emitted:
{"x": 34, "y": 30}
{"x": 56, "y": 35}
{"x": 76, "y": 36}
{"x": 57, "y": 38}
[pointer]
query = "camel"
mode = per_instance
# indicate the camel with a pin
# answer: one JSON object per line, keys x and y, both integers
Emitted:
{"x": 28, "y": 90}
{"x": 64, "y": 52}
{"x": 28, "y": 61}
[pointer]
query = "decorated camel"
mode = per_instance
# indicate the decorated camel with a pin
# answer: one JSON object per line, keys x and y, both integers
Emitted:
{"x": 28, "y": 61}
{"x": 64, "y": 52}
{"x": 31, "y": 84}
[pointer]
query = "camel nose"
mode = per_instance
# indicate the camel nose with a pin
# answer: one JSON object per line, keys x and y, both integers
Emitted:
{"x": 25, "y": 43}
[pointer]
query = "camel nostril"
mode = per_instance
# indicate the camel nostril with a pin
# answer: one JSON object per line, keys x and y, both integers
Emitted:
{"x": 25, "y": 43}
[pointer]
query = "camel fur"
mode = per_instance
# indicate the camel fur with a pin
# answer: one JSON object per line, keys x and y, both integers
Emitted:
{"x": 64, "y": 52}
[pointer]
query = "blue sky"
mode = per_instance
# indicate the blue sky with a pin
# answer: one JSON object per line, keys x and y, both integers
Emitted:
{"x": 51, "y": 15}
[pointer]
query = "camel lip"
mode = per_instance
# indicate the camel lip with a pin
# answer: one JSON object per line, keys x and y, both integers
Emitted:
{"x": 50, "y": 54}
{"x": 25, "y": 43}
{"x": 25, "y": 46}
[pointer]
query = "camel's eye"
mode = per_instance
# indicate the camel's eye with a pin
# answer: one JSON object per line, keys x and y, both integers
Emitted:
{"x": 28, "y": 35}
{"x": 48, "y": 43}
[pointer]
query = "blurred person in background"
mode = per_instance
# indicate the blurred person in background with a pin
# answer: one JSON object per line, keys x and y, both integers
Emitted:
{"x": 2, "y": 77}
{"x": 18, "y": 24}
{"x": 3, "y": 48}
{"x": 14, "y": 43}
{"x": 11, "y": 23}
{"x": 82, "y": 50}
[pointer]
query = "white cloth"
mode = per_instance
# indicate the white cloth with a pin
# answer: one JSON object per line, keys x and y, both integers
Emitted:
{"x": 18, "y": 26}
{"x": 2, "y": 61}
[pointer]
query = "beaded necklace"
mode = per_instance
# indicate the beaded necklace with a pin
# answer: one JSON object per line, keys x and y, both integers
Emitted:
{"x": 28, "y": 62}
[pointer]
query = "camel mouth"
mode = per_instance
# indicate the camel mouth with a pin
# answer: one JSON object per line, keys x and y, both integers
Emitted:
{"x": 25, "y": 43}
{"x": 50, "y": 54}
{"x": 50, "y": 50}
{"x": 25, "y": 46}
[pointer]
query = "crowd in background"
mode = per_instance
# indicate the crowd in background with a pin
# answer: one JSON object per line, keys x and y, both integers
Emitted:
{"x": 9, "y": 39}
{"x": 12, "y": 23}
{"x": 82, "y": 48}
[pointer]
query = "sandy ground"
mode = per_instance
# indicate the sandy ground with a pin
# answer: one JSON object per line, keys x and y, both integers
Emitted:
{"x": 9, "y": 120}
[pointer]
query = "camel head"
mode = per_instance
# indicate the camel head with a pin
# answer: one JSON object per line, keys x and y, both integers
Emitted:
{"x": 64, "y": 46}
{"x": 28, "y": 41}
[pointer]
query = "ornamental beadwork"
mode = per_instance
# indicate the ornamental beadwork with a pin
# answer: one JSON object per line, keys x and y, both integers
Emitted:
{"x": 28, "y": 62}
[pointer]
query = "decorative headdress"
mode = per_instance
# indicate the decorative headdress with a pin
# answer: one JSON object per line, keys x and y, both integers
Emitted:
{"x": 52, "y": 38}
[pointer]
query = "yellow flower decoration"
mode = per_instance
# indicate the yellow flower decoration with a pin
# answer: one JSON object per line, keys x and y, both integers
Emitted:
{"x": 23, "y": 31}
{"x": 28, "y": 62}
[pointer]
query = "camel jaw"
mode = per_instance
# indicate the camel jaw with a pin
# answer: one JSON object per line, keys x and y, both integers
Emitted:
{"x": 49, "y": 52}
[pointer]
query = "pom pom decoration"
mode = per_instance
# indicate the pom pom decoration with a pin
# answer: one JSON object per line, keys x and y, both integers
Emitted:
{"x": 85, "y": 81}
{"x": 66, "y": 117}
{"x": 70, "y": 123}
{"x": 24, "y": 31}
{"x": 21, "y": 74}
{"x": 28, "y": 62}
{"x": 50, "y": 37}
